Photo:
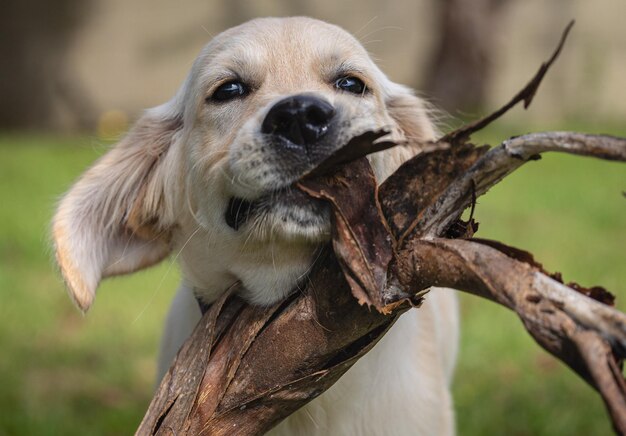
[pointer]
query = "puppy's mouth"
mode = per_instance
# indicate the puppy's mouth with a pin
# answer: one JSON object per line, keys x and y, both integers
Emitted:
{"x": 291, "y": 211}
{"x": 288, "y": 209}
{"x": 238, "y": 212}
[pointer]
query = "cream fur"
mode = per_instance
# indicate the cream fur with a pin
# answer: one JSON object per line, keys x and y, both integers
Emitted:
{"x": 165, "y": 187}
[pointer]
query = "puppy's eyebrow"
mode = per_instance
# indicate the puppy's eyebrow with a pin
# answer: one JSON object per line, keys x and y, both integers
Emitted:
{"x": 345, "y": 68}
{"x": 220, "y": 76}
{"x": 235, "y": 65}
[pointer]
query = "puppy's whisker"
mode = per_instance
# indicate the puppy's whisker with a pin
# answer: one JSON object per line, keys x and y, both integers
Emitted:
{"x": 239, "y": 206}
{"x": 319, "y": 251}
{"x": 272, "y": 255}
{"x": 311, "y": 418}
{"x": 244, "y": 184}
{"x": 211, "y": 35}
{"x": 192, "y": 210}
{"x": 143, "y": 244}
{"x": 372, "y": 41}
{"x": 205, "y": 162}
{"x": 122, "y": 256}
{"x": 167, "y": 272}
{"x": 185, "y": 244}
{"x": 251, "y": 231}
{"x": 380, "y": 29}
{"x": 363, "y": 27}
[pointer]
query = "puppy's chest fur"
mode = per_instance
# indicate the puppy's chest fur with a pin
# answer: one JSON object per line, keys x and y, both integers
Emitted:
{"x": 267, "y": 271}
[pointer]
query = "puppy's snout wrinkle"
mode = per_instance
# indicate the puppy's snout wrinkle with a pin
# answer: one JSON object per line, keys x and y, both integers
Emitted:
{"x": 301, "y": 119}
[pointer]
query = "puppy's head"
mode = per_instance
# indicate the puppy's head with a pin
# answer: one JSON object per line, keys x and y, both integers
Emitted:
{"x": 264, "y": 103}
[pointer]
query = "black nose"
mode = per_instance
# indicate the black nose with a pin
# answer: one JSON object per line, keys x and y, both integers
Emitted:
{"x": 301, "y": 119}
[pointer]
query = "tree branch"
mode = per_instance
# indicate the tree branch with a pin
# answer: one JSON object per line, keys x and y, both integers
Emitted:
{"x": 588, "y": 336}
{"x": 501, "y": 161}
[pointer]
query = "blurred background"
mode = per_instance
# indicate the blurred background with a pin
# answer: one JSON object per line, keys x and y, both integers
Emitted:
{"x": 75, "y": 73}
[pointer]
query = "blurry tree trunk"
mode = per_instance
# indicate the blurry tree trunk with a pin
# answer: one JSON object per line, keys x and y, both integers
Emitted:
{"x": 36, "y": 89}
{"x": 461, "y": 66}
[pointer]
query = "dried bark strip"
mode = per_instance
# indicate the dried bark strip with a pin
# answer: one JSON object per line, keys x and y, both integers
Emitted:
{"x": 414, "y": 188}
{"x": 359, "y": 146}
{"x": 526, "y": 95}
{"x": 177, "y": 391}
{"x": 363, "y": 251}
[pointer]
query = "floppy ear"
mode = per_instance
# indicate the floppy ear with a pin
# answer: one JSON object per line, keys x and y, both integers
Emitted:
{"x": 412, "y": 122}
{"x": 411, "y": 113}
{"x": 118, "y": 216}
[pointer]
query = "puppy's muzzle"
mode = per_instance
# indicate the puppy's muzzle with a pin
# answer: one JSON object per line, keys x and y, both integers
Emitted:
{"x": 300, "y": 121}
{"x": 297, "y": 128}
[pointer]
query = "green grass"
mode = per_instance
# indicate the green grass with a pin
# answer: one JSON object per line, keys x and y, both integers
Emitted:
{"x": 62, "y": 373}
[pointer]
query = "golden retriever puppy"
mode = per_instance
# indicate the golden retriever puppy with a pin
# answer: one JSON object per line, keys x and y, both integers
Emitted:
{"x": 209, "y": 175}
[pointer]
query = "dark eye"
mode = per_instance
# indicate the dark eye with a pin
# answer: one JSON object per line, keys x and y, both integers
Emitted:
{"x": 230, "y": 90}
{"x": 351, "y": 84}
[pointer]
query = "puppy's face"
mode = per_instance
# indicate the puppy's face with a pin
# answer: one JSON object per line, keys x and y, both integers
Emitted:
{"x": 211, "y": 172}
{"x": 276, "y": 97}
